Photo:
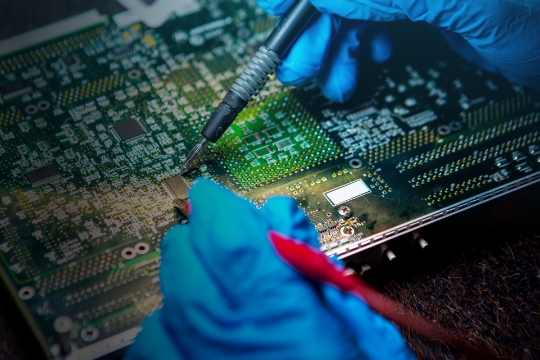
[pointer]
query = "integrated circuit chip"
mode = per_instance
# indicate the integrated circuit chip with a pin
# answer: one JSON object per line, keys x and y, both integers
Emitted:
{"x": 129, "y": 130}
{"x": 285, "y": 143}
{"x": 43, "y": 174}
{"x": 69, "y": 60}
{"x": 121, "y": 51}
{"x": 273, "y": 132}
{"x": 177, "y": 186}
{"x": 14, "y": 89}
{"x": 253, "y": 138}
{"x": 263, "y": 152}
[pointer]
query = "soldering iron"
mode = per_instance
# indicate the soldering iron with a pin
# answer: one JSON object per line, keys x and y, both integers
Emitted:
{"x": 253, "y": 78}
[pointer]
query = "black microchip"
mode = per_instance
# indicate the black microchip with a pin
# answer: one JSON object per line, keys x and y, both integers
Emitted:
{"x": 14, "y": 89}
{"x": 123, "y": 50}
{"x": 69, "y": 60}
{"x": 43, "y": 174}
{"x": 129, "y": 129}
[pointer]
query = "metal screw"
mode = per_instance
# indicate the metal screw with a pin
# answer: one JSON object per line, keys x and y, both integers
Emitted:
{"x": 345, "y": 211}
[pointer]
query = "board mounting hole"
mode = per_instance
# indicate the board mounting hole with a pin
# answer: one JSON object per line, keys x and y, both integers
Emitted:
{"x": 129, "y": 253}
{"x": 43, "y": 105}
{"x": 355, "y": 163}
{"x": 26, "y": 293}
{"x": 31, "y": 109}
{"x": 443, "y": 130}
{"x": 455, "y": 125}
{"x": 134, "y": 74}
{"x": 142, "y": 248}
{"x": 89, "y": 333}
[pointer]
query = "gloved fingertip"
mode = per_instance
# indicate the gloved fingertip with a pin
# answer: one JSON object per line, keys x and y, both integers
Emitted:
{"x": 338, "y": 82}
{"x": 306, "y": 57}
{"x": 289, "y": 76}
{"x": 381, "y": 48}
{"x": 339, "y": 93}
{"x": 287, "y": 218}
{"x": 207, "y": 197}
{"x": 282, "y": 204}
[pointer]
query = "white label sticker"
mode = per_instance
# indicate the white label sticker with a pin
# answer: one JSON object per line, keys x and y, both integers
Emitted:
{"x": 153, "y": 15}
{"x": 347, "y": 192}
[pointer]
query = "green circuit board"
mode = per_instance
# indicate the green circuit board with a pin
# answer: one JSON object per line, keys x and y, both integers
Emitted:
{"x": 92, "y": 124}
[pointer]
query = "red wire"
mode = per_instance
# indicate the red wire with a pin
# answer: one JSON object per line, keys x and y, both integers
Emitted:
{"x": 315, "y": 265}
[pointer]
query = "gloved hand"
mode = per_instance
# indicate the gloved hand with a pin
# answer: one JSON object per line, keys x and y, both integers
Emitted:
{"x": 500, "y": 35}
{"x": 227, "y": 295}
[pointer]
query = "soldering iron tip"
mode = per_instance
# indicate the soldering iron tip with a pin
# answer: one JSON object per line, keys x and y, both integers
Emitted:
{"x": 193, "y": 155}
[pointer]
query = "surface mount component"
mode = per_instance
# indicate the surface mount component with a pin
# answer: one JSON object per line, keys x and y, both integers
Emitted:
{"x": 14, "y": 89}
{"x": 129, "y": 129}
{"x": 43, "y": 174}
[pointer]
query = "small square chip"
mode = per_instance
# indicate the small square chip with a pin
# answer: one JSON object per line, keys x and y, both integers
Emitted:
{"x": 177, "y": 186}
{"x": 69, "y": 60}
{"x": 43, "y": 174}
{"x": 122, "y": 50}
{"x": 14, "y": 89}
{"x": 128, "y": 130}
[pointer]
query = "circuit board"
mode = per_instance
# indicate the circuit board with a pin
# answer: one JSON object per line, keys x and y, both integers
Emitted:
{"x": 95, "y": 122}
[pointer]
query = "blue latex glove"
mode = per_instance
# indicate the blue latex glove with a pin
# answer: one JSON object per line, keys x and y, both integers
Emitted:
{"x": 502, "y": 36}
{"x": 227, "y": 295}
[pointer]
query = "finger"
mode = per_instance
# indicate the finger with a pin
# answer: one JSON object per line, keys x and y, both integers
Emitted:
{"x": 275, "y": 7}
{"x": 338, "y": 79}
{"x": 378, "y": 337}
{"x": 286, "y": 218}
{"x": 379, "y": 42}
{"x": 306, "y": 57}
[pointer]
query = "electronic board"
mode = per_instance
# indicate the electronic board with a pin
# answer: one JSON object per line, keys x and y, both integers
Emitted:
{"x": 97, "y": 116}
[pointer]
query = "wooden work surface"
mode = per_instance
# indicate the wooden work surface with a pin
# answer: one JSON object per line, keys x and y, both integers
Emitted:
{"x": 489, "y": 290}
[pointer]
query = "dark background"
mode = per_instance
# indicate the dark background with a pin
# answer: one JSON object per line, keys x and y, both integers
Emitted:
{"x": 482, "y": 281}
